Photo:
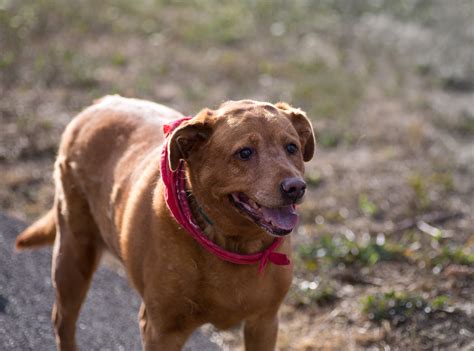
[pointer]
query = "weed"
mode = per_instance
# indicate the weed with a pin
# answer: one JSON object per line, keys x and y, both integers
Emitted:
{"x": 367, "y": 207}
{"x": 419, "y": 186}
{"x": 399, "y": 306}
{"x": 440, "y": 302}
{"x": 308, "y": 293}
{"x": 448, "y": 255}
{"x": 423, "y": 184}
{"x": 334, "y": 250}
{"x": 118, "y": 59}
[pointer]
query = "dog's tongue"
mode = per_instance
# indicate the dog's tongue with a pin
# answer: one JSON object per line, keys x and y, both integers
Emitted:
{"x": 282, "y": 217}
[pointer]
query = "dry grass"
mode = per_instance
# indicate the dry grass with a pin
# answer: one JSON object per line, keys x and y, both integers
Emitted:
{"x": 389, "y": 86}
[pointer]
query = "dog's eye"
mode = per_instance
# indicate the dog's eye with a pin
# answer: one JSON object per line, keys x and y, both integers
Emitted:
{"x": 245, "y": 153}
{"x": 291, "y": 149}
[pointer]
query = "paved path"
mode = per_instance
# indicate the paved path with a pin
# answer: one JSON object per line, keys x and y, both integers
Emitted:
{"x": 108, "y": 319}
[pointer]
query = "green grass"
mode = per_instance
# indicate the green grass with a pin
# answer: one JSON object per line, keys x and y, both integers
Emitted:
{"x": 366, "y": 206}
{"x": 232, "y": 31}
{"x": 447, "y": 255}
{"x": 399, "y": 306}
{"x": 333, "y": 250}
{"x": 336, "y": 91}
{"x": 435, "y": 251}
{"x": 310, "y": 293}
{"x": 422, "y": 183}
{"x": 227, "y": 24}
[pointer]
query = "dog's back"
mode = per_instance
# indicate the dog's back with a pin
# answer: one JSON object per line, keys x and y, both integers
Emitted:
{"x": 101, "y": 150}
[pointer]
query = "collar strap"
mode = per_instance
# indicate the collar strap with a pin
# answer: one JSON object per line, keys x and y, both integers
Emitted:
{"x": 176, "y": 200}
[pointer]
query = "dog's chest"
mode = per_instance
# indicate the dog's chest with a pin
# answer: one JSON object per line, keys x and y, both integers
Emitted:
{"x": 234, "y": 299}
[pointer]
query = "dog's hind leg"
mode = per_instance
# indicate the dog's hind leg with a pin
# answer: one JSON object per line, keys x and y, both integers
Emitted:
{"x": 76, "y": 254}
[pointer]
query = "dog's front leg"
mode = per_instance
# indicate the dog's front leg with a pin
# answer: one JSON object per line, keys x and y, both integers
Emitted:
{"x": 260, "y": 333}
{"x": 158, "y": 336}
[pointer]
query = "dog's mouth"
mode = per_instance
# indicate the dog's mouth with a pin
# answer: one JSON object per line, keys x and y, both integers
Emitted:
{"x": 277, "y": 221}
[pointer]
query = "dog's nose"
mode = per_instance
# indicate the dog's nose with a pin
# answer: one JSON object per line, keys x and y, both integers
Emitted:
{"x": 293, "y": 188}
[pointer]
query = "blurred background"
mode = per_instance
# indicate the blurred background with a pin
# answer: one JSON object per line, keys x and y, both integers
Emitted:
{"x": 385, "y": 249}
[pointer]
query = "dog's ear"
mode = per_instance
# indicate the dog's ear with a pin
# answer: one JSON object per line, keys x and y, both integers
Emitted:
{"x": 189, "y": 136}
{"x": 303, "y": 127}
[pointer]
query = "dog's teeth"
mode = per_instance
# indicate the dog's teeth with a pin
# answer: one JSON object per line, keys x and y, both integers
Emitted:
{"x": 249, "y": 208}
{"x": 252, "y": 203}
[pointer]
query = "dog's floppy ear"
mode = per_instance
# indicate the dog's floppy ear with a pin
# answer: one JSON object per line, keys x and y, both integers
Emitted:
{"x": 303, "y": 127}
{"x": 189, "y": 136}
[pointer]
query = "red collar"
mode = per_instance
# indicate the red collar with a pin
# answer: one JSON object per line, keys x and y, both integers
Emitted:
{"x": 176, "y": 200}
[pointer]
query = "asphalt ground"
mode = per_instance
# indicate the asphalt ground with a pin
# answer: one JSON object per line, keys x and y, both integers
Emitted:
{"x": 108, "y": 318}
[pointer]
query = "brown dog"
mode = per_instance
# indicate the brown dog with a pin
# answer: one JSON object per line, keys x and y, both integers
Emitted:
{"x": 243, "y": 163}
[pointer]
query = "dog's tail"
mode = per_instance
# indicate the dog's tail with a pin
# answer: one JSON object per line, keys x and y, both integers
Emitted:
{"x": 42, "y": 232}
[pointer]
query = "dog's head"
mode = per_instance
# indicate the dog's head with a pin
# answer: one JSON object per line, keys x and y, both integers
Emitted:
{"x": 245, "y": 162}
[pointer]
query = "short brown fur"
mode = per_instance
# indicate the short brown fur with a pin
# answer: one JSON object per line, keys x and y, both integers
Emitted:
{"x": 109, "y": 196}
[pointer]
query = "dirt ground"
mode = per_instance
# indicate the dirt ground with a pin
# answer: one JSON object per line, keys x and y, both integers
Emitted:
{"x": 385, "y": 249}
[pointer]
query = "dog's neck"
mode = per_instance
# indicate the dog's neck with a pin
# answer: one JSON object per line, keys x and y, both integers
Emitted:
{"x": 233, "y": 243}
